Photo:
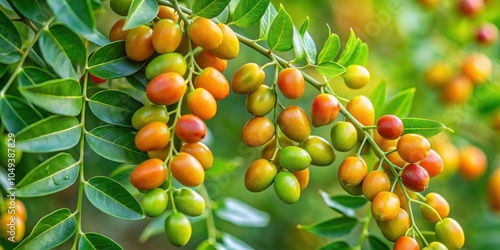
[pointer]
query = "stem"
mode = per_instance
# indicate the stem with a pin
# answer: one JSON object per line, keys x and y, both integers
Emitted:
{"x": 212, "y": 230}
{"x": 428, "y": 206}
{"x": 364, "y": 232}
{"x": 412, "y": 219}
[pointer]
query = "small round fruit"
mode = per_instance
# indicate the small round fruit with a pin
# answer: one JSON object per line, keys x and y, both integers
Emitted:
{"x": 149, "y": 113}
{"x": 190, "y": 128}
{"x": 353, "y": 190}
{"x": 248, "y": 78}
{"x": 260, "y": 175}
{"x": 257, "y": 131}
{"x": 201, "y": 103}
{"x": 294, "y": 158}
{"x": 302, "y": 177}
{"x": 166, "y": 89}
{"x": 213, "y": 81}
{"x": 395, "y": 158}
{"x": 343, "y": 136}
{"x": 120, "y": 7}
{"x": 477, "y": 67}
{"x": 96, "y": 80}
{"x": 450, "y": 233}
{"x": 165, "y": 12}
{"x": 170, "y": 62}
{"x": 187, "y": 170}
{"x": 189, "y": 202}
{"x": 16, "y": 207}
{"x": 205, "y": 59}
{"x": 435, "y": 245}
{"x": 406, "y": 243}
{"x": 439, "y": 74}
{"x": 291, "y": 83}
{"x": 457, "y": 91}
{"x": 261, "y": 101}
{"x": 167, "y": 36}
{"x": 473, "y": 162}
{"x": 153, "y": 136}
{"x": 287, "y": 187}
{"x": 413, "y": 148}
{"x": 362, "y": 109}
{"x": 396, "y": 227}
{"x": 294, "y": 123}
{"x": 267, "y": 151}
{"x": 487, "y": 34}
{"x": 402, "y": 198}
{"x": 12, "y": 227}
{"x": 415, "y": 177}
{"x": 139, "y": 44}
{"x": 352, "y": 171}
{"x": 385, "y": 206}
{"x": 374, "y": 183}
{"x": 320, "y": 150}
{"x": 149, "y": 174}
{"x": 230, "y": 46}
{"x": 494, "y": 190}
{"x": 205, "y": 33}
{"x": 471, "y": 7}
{"x": 390, "y": 127}
{"x": 7, "y": 144}
{"x": 383, "y": 143}
{"x": 178, "y": 229}
{"x": 356, "y": 76}
{"x": 201, "y": 152}
{"x": 325, "y": 109}
{"x": 437, "y": 202}
{"x": 117, "y": 33}
{"x": 433, "y": 164}
{"x": 154, "y": 202}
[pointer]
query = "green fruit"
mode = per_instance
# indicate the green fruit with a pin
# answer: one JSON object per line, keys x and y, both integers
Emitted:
{"x": 8, "y": 156}
{"x": 343, "y": 136}
{"x": 450, "y": 233}
{"x": 320, "y": 150}
{"x": 149, "y": 113}
{"x": 170, "y": 62}
{"x": 178, "y": 229}
{"x": 154, "y": 202}
{"x": 356, "y": 76}
{"x": 287, "y": 187}
{"x": 189, "y": 202}
{"x": 294, "y": 158}
{"x": 261, "y": 101}
{"x": 120, "y": 7}
{"x": 260, "y": 175}
{"x": 435, "y": 246}
{"x": 248, "y": 78}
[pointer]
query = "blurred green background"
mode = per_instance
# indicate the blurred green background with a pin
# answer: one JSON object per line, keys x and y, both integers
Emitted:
{"x": 404, "y": 40}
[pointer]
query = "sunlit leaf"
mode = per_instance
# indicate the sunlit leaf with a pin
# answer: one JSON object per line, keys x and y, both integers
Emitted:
{"x": 344, "y": 204}
{"x": 377, "y": 97}
{"x": 93, "y": 241}
{"x": 330, "y": 49}
{"x": 298, "y": 45}
{"x": 280, "y": 37}
{"x": 209, "y": 8}
{"x": 234, "y": 243}
{"x": 249, "y": 12}
{"x": 360, "y": 54}
{"x": 140, "y": 12}
{"x": 241, "y": 214}
{"x": 112, "y": 198}
{"x": 330, "y": 69}
{"x": 308, "y": 42}
{"x": 266, "y": 21}
{"x": 54, "y": 133}
{"x": 50, "y": 231}
{"x": 114, "y": 107}
{"x": 424, "y": 127}
{"x": 53, "y": 175}
{"x": 332, "y": 228}
{"x": 349, "y": 49}
{"x": 400, "y": 104}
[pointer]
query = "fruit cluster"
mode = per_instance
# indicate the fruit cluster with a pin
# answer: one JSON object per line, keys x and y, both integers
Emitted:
{"x": 161, "y": 125}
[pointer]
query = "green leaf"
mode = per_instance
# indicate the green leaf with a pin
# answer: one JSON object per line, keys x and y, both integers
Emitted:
{"x": 64, "y": 51}
{"x": 58, "y": 96}
{"x": 281, "y": 32}
{"x": 111, "y": 61}
{"x": 360, "y": 54}
{"x": 486, "y": 97}
{"x": 77, "y": 14}
{"x": 376, "y": 243}
{"x": 98, "y": 38}
{"x": 140, "y": 12}
{"x": 221, "y": 167}
{"x": 112, "y": 198}
{"x": 330, "y": 69}
{"x": 51, "y": 176}
{"x": 308, "y": 43}
{"x": 50, "y": 231}
{"x": 348, "y": 50}
{"x": 10, "y": 40}
{"x": 209, "y": 8}
{"x": 155, "y": 227}
{"x": 424, "y": 127}
{"x": 249, "y": 12}
{"x": 3, "y": 68}
{"x": 115, "y": 144}
{"x": 232, "y": 242}
{"x": 114, "y": 107}
{"x": 138, "y": 80}
{"x": 207, "y": 245}
{"x": 400, "y": 104}
{"x": 337, "y": 245}
{"x": 31, "y": 76}
{"x": 93, "y": 241}
{"x": 30, "y": 9}
{"x": 5, "y": 4}
{"x": 330, "y": 49}
{"x": 332, "y": 228}
{"x": 241, "y": 214}
{"x": 377, "y": 97}
{"x": 266, "y": 21}
{"x": 54, "y": 133}
{"x": 298, "y": 45}
{"x": 20, "y": 113}
{"x": 223, "y": 16}
{"x": 344, "y": 204}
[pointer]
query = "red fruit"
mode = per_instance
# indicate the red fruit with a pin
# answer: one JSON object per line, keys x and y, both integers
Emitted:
{"x": 190, "y": 128}
{"x": 433, "y": 164}
{"x": 415, "y": 177}
{"x": 324, "y": 109}
{"x": 390, "y": 127}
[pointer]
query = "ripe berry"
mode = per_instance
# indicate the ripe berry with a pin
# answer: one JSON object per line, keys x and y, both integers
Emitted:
{"x": 415, "y": 177}
{"x": 413, "y": 148}
{"x": 390, "y": 127}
